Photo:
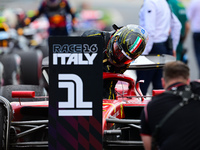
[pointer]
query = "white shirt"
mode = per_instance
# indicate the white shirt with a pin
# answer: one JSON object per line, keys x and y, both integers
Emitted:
{"x": 157, "y": 18}
{"x": 193, "y": 13}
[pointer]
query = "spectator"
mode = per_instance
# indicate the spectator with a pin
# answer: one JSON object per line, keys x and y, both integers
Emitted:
{"x": 179, "y": 10}
{"x": 179, "y": 131}
{"x": 193, "y": 13}
{"x": 161, "y": 25}
{"x": 56, "y": 12}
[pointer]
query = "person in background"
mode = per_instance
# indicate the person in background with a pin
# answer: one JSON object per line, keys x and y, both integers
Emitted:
{"x": 164, "y": 29}
{"x": 121, "y": 46}
{"x": 193, "y": 12}
{"x": 179, "y": 10}
{"x": 180, "y": 130}
{"x": 56, "y": 12}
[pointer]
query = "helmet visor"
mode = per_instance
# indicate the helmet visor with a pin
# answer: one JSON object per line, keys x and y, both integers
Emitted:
{"x": 119, "y": 55}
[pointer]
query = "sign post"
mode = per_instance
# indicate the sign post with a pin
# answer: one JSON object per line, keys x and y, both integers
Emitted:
{"x": 75, "y": 93}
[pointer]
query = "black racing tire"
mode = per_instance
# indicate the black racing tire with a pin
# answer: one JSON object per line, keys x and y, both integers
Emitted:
{"x": 44, "y": 49}
{"x": 31, "y": 63}
{"x": 2, "y": 127}
{"x": 11, "y": 64}
{"x": 1, "y": 74}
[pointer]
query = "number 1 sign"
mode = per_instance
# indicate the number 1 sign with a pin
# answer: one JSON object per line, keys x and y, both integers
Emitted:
{"x": 75, "y": 93}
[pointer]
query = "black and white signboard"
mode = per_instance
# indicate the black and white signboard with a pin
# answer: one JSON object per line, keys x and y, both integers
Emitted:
{"x": 75, "y": 93}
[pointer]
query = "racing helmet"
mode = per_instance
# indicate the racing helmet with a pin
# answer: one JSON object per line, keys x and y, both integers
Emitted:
{"x": 53, "y": 3}
{"x": 126, "y": 44}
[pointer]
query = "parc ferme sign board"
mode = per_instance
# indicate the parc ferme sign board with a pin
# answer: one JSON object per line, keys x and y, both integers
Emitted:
{"x": 75, "y": 93}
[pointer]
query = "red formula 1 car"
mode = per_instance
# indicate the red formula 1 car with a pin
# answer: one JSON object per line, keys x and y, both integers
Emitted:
{"x": 121, "y": 122}
{"x": 24, "y": 118}
{"x": 121, "y": 117}
{"x": 24, "y": 113}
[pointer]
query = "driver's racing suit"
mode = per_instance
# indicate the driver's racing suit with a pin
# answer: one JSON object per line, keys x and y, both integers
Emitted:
{"x": 108, "y": 85}
{"x": 56, "y": 17}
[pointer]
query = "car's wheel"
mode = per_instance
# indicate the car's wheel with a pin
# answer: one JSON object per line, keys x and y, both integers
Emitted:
{"x": 31, "y": 62}
{"x": 11, "y": 64}
{"x": 44, "y": 49}
{"x": 2, "y": 127}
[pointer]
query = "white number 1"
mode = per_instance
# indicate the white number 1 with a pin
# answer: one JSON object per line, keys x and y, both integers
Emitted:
{"x": 74, "y": 84}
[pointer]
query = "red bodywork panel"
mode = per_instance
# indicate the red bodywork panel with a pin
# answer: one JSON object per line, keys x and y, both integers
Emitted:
{"x": 23, "y": 94}
{"x": 129, "y": 95}
{"x": 157, "y": 92}
{"x": 115, "y": 108}
{"x": 17, "y": 106}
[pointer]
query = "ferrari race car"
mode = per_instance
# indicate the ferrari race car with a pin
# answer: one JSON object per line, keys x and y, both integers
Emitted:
{"x": 121, "y": 117}
{"x": 24, "y": 111}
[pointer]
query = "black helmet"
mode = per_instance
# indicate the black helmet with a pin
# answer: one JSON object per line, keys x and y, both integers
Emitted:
{"x": 126, "y": 44}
